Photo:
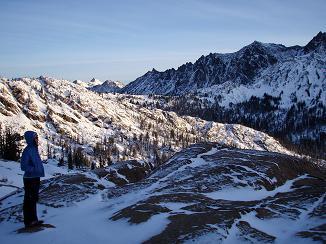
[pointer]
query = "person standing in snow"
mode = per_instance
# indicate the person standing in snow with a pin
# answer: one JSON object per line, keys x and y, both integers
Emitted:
{"x": 32, "y": 165}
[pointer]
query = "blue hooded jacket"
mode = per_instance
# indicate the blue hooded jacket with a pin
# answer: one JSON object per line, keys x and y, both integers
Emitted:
{"x": 31, "y": 161}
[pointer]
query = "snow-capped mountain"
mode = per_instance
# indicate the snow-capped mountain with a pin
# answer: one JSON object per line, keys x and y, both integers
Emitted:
{"x": 91, "y": 83}
{"x": 232, "y": 187}
{"x": 245, "y": 67}
{"x": 81, "y": 83}
{"x": 66, "y": 113}
{"x": 277, "y": 89}
{"x": 96, "y": 85}
{"x": 94, "y": 82}
{"x": 108, "y": 86}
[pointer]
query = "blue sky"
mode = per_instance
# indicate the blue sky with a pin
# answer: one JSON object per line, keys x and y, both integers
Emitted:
{"x": 122, "y": 40}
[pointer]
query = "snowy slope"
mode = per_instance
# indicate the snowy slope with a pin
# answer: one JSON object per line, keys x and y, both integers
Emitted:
{"x": 301, "y": 77}
{"x": 11, "y": 175}
{"x": 60, "y": 110}
{"x": 204, "y": 194}
{"x": 91, "y": 83}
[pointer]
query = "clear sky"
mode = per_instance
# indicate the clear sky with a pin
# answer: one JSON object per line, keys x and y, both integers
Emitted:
{"x": 123, "y": 39}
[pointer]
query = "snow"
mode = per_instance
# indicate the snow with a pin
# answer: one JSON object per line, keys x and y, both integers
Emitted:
{"x": 175, "y": 206}
{"x": 294, "y": 77}
{"x": 114, "y": 116}
{"x": 6, "y": 190}
{"x": 209, "y": 238}
{"x": 286, "y": 77}
{"x": 94, "y": 82}
{"x": 11, "y": 175}
{"x": 107, "y": 87}
{"x": 292, "y": 72}
{"x": 89, "y": 221}
{"x": 284, "y": 229}
{"x": 94, "y": 227}
{"x": 250, "y": 194}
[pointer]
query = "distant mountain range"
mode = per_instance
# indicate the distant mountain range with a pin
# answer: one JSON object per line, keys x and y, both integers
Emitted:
{"x": 96, "y": 85}
{"x": 251, "y": 64}
{"x": 270, "y": 87}
{"x": 108, "y": 86}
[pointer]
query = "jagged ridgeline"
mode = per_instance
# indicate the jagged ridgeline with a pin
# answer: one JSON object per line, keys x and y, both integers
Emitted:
{"x": 74, "y": 122}
{"x": 269, "y": 87}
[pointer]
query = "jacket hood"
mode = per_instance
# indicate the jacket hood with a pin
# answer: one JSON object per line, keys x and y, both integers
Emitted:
{"x": 29, "y": 137}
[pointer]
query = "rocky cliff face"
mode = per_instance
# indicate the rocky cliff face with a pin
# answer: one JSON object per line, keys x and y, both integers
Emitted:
{"x": 239, "y": 68}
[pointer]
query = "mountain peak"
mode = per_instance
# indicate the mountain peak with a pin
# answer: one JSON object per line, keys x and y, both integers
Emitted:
{"x": 256, "y": 43}
{"x": 318, "y": 41}
{"x": 241, "y": 67}
{"x": 113, "y": 83}
{"x": 107, "y": 86}
{"x": 95, "y": 81}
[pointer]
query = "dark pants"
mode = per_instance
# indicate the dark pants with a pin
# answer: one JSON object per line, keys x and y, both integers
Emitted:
{"x": 31, "y": 186}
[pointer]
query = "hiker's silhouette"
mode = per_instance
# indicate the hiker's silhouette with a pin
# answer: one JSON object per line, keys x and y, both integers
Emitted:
{"x": 32, "y": 165}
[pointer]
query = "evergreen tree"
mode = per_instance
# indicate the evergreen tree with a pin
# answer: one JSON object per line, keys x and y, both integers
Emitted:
{"x": 9, "y": 144}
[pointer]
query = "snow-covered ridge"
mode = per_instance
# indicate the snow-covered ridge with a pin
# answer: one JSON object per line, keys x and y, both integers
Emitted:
{"x": 92, "y": 82}
{"x": 96, "y": 85}
{"x": 275, "y": 66}
{"x": 61, "y": 109}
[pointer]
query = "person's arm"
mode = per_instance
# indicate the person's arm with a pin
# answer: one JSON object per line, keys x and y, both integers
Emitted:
{"x": 25, "y": 161}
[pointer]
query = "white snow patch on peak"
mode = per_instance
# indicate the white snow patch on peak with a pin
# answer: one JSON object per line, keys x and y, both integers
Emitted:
{"x": 94, "y": 82}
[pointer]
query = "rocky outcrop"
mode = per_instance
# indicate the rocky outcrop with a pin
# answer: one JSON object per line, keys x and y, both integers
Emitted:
{"x": 125, "y": 172}
{"x": 217, "y": 194}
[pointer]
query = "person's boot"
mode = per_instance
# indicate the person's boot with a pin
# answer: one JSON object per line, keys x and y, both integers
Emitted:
{"x": 39, "y": 222}
{"x": 32, "y": 224}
